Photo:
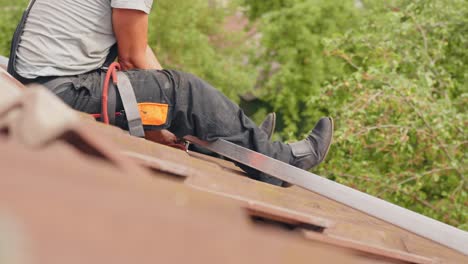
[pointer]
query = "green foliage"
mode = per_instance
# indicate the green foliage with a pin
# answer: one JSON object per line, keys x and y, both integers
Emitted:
{"x": 292, "y": 56}
{"x": 191, "y": 38}
{"x": 393, "y": 75}
{"x": 10, "y": 14}
{"x": 257, "y": 8}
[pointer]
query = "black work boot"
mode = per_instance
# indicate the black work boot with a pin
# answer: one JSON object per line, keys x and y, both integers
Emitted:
{"x": 268, "y": 125}
{"x": 311, "y": 151}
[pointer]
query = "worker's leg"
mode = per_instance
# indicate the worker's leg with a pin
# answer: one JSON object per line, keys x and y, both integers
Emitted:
{"x": 196, "y": 108}
{"x": 200, "y": 110}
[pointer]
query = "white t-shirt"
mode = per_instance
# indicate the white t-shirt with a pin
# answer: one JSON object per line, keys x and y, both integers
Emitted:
{"x": 69, "y": 37}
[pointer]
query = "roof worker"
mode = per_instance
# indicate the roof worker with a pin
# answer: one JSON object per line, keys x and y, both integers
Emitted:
{"x": 63, "y": 44}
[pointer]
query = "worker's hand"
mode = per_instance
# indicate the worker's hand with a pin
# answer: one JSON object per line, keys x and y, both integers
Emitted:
{"x": 161, "y": 136}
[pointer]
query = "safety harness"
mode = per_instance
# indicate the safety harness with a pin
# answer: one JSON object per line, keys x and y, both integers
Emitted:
{"x": 129, "y": 101}
{"x": 112, "y": 82}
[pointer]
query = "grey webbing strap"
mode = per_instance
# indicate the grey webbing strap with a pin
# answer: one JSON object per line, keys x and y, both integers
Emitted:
{"x": 135, "y": 125}
{"x": 111, "y": 102}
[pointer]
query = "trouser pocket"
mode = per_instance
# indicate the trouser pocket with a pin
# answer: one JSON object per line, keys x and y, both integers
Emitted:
{"x": 151, "y": 89}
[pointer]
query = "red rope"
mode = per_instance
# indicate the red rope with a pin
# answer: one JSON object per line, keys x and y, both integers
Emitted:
{"x": 98, "y": 116}
{"x": 111, "y": 72}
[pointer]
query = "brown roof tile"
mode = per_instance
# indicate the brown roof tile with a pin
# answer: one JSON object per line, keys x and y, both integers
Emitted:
{"x": 82, "y": 192}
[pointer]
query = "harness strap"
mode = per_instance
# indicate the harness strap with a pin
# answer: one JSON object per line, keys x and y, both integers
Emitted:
{"x": 113, "y": 54}
{"x": 130, "y": 104}
{"x": 115, "y": 79}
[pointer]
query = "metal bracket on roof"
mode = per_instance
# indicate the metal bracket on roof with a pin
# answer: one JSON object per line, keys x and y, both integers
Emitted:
{"x": 439, "y": 232}
{"x": 317, "y": 228}
{"x": 368, "y": 248}
{"x": 288, "y": 217}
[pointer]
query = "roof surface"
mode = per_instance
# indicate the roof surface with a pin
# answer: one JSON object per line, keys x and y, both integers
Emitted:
{"x": 76, "y": 191}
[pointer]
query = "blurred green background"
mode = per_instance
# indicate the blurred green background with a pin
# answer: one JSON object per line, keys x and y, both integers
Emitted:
{"x": 393, "y": 74}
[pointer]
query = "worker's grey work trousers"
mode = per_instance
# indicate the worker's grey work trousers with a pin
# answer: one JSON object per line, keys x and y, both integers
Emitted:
{"x": 195, "y": 108}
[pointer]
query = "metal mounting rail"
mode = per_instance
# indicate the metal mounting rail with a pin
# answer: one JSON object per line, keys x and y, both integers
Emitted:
{"x": 416, "y": 223}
